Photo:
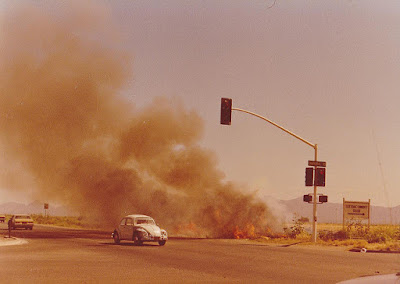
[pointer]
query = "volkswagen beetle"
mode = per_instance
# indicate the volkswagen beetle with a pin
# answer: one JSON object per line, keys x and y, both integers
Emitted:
{"x": 139, "y": 228}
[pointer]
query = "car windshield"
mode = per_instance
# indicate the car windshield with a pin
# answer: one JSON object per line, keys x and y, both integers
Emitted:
{"x": 145, "y": 221}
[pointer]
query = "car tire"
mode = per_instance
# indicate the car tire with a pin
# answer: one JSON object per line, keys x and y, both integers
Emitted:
{"x": 116, "y": 238}
{"x": 136, "y": 239}
{"x": 161, "y": 243}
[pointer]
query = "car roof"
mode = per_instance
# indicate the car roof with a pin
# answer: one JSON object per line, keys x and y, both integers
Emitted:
{"x": 137, "y": 216}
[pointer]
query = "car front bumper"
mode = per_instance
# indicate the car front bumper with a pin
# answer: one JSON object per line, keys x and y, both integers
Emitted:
{"x": 151, "y": 238}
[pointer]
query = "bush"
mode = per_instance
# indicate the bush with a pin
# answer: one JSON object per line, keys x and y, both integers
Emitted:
{"x": 382, "y": 235}
{"x": 377, "y": 237}
{"x": 397, "y": 233}
{"x": 297, "y": 228}
{"x": 62, "y": 221}
{"x": 357, "y": 230}
{"x": 332, "y": 236}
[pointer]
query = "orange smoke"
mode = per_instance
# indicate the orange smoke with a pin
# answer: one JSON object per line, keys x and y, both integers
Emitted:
{"x": 68, "y": 134}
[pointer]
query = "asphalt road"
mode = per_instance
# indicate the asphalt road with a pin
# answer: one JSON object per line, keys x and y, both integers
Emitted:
{"x": 80, "y": 256}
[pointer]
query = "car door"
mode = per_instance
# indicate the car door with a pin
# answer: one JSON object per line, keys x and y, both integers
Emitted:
{"x": 122, "y": 229}
{"x": 129, "y": 228}
{"x": 126, "y": 228}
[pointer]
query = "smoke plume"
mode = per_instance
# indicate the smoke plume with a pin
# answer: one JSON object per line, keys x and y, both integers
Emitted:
{"x": 69, "y": 133}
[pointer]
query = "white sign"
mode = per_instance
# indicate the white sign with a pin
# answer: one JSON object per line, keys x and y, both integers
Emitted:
{"x": 355, "y": 210}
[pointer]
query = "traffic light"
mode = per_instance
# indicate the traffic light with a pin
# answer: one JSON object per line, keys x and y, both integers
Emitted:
{"x": 323, "y": 198}
{"x": 307, "y": 198}
{"x": 320, "y": 176}
{"x": 309, "y": 176}
{"x": 226, "y": 111}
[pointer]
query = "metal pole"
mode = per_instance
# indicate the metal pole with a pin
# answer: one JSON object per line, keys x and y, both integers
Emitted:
{"x": 344, "y": 221}
{"x": 369, "y": 214}
{"x": 314, "y": 232}
{"x": 277, "y": 125}
{"x": 314, "y": 227}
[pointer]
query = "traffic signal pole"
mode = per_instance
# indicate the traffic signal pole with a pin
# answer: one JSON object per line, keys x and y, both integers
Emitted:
{"x": 314, "y": 224}
{"x": 314, "y": 146}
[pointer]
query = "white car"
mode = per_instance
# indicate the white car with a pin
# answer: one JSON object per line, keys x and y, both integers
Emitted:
{"x": 20, "y": 221}
{"x": 139, "y": 228}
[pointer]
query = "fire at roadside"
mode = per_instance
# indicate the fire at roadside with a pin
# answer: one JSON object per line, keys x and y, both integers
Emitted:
{"x": 67, "y": 132}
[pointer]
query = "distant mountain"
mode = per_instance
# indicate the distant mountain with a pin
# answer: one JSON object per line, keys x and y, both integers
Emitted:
{"x": 333, "y": 212}
{"x": 35, "y": 207}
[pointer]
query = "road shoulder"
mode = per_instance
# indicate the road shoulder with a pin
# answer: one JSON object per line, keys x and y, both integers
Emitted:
{"x": 11, "y": 241}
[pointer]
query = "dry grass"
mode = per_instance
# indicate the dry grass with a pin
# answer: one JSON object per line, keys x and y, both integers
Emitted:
{"x": 62, "y": 221}
{"x": 357, "y": 236}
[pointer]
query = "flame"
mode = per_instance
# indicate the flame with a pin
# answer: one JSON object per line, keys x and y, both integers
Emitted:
{"x": 247, "y": 233}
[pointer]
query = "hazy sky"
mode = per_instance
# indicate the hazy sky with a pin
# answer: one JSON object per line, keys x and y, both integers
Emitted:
{"x": 327, "y": 70}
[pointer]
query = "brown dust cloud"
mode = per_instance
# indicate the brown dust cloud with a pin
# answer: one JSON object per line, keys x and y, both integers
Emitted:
{"x": 68, "y": 133}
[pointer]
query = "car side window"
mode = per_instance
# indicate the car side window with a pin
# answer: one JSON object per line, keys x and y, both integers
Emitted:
{"x": 123, "y": 221}
{"x": 129, "y": 221}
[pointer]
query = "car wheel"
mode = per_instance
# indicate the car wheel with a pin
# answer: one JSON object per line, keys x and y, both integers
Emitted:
{"x": 116, "y": 238}
{"x": 161, "y": 243}
{"x": 136, "y": 239}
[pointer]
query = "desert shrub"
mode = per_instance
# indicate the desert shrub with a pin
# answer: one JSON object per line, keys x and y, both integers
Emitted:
{"x": 382, "y": 234}
{"x": 63, "y": 221}
{"x": 378, "y": 236}
{"x": 356, "y": 229}
{"x": 297, "y": 229}
{"x": 332, "y": 236}
{"x": 397, "y": 233}
{"x": 358, "y": 244}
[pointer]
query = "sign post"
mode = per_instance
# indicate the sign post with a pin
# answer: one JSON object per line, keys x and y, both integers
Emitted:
{"x": 46, "y": 207}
